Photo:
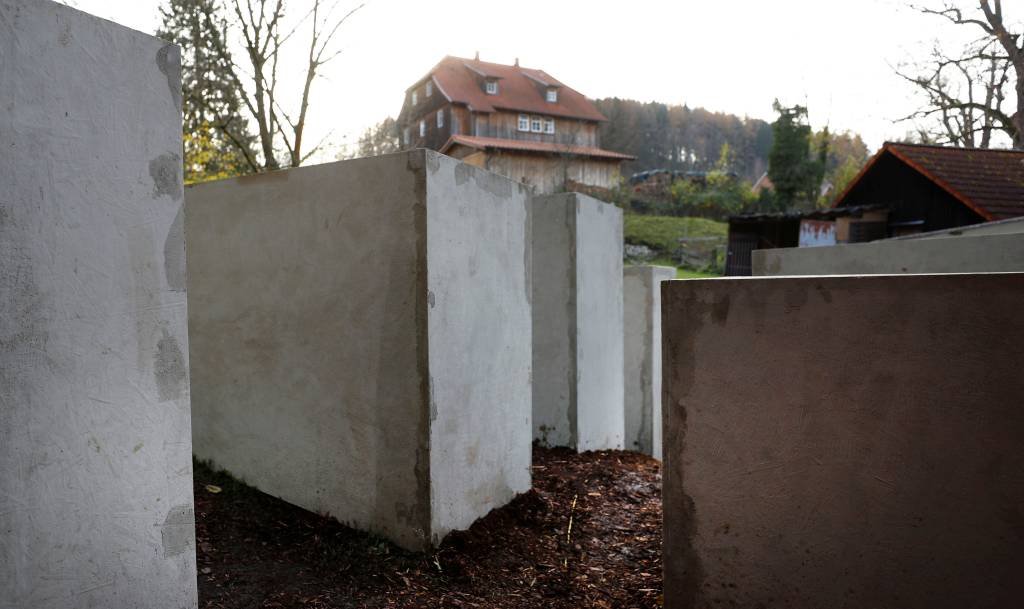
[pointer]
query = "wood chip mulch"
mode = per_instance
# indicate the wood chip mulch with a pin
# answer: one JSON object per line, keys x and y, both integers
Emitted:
{"x": 587, "y": 535}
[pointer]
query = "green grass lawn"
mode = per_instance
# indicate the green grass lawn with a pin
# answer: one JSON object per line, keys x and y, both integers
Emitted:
{"x": 682, "y": 273}
{"x": 662, "y": 233}
{"x": 688, "y": 274}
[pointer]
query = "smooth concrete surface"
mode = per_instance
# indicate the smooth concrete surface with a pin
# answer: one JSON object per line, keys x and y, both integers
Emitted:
{"x": 577, "y": 323}
{"x": 950, "y": 254}
{"x": 844, "y": 442}
{"x": 95, "y": 452}
{"x": 362, "y": 338}
{"x": 1009, "y": 226}
{"x": 641, "y": 289}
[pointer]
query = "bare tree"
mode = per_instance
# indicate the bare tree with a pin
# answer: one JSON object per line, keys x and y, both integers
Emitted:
{"x": 966, "y": 92}
{"x": 259, "y": 26}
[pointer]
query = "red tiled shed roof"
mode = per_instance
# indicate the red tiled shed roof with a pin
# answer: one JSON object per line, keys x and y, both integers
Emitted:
{"x": 495, "y": 143}
{"x": 989, "y": 181}
{"x": 519, "y": 89}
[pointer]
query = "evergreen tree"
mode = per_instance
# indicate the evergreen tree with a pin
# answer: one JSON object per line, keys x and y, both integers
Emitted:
{"x": 794, "y": 169}
{"x": 216, "y": 137}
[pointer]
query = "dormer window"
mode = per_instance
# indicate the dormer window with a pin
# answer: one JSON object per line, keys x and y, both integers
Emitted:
{"x": 429, "y": 89}
{"x": 491, "y": 86}
{"x": 524, "y": 122}
{"x": 415, "y": 98}
{"x": 552, "y": 96}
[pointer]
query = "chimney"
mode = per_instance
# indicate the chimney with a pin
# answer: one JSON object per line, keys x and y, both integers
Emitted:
{"x": 517, "y": 62}
{"x": 477, "y": 57}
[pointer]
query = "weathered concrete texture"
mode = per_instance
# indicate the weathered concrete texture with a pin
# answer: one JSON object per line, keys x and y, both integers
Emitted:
{"x": 1009, "y": 226}
{"x": 361, "y": 339}
{"x": 844, "y": 442}
{"x": 935, "y": 254}
{"x": 577, "y": 322}
{"x": 95, "y": 451}
{"x": 641, "y": 287}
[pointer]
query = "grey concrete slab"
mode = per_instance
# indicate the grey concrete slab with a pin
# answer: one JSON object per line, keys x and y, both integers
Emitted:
{"x": 641, "y": 287}
{"x": 577, "y": 322}
{"x": 844, "y": 441}
{"x": 361, "y": 339}
{"x": 939, "y": 253}
{"x": 95, "y": 451}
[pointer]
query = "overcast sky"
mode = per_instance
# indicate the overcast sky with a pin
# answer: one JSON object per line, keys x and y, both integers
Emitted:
{"x": 835, "y": 56}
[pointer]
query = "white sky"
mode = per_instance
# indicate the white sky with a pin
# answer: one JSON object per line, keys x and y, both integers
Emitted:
{"x": 731, "y": 56}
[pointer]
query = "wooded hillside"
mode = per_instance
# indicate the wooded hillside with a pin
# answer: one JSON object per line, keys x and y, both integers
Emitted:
{"x": 664, "y": 136}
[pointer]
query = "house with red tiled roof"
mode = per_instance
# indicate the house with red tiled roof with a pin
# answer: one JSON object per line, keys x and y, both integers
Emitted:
{"x": 927, "y": 188}
{"x": 515, "y": 121}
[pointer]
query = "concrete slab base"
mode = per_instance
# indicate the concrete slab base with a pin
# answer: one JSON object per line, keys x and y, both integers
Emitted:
{"x": 641, "y": 287}
{"x": 95, "y": 450}
{"x": 361, "y": 339}
{"x": 577, "y": 322}
{"x": 844, "y": 442}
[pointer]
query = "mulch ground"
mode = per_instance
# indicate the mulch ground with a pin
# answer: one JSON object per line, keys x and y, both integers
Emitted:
{"x": 587, "y": 535}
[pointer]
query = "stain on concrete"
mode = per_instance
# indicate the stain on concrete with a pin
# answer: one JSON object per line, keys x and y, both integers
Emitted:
{"x": 720, "y": 311}
{"x": 169, "y": 368}
{"x": 174, "y": 253}
{"x": 432, "y": 161}
{"x": 824, "y": 292}
{"x": 497, "y": 185}
{"x": 168, "y": 59}
{"x": 27, "y": 314}
{"x": 430, "y": 298}
{"x": 419, "y": 515}
{"x": 65, "y": 37}
{"x": 684, "y": 571}
{"x": 463, "y": 173}
{"x": 165, "y": 170}
{"x": 178, "y": 530}
{"x": 795, "y": 299}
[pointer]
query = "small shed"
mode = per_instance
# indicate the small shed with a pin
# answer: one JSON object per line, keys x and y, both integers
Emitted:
{"x": 928, "y": 188}
{"x": 749, "y": 232}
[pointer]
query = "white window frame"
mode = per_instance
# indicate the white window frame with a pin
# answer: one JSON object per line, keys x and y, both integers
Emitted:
{"x": 524, "y": 122}
{"x": 429, "y": 89}
{"x": 405, "y": 136}
{"x": 415, "y": 98}
{"x": 537, "y": 124}
{"x": 549, "y": 126}
{"x": 552, "y": 96}
{"x": 491, "y": 87}
{"x": 440, "y": 118}
{"x": 423, "y": 127}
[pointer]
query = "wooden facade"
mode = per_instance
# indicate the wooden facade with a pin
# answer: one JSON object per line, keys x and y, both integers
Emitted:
{"x": 546, "y": 173}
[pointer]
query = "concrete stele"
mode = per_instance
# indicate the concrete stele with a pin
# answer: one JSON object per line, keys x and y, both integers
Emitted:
{"x": 95, "y": 451}
{"x": 984, "y": 253}
{"x": 641, "y": 289}
{"x": 844, "y": 441}
{"x": 577, "y": 322}
{"x": 361, "y": 339}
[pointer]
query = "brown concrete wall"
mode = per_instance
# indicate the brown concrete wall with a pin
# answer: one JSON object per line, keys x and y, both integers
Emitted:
{"x": 844, "y": 442}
